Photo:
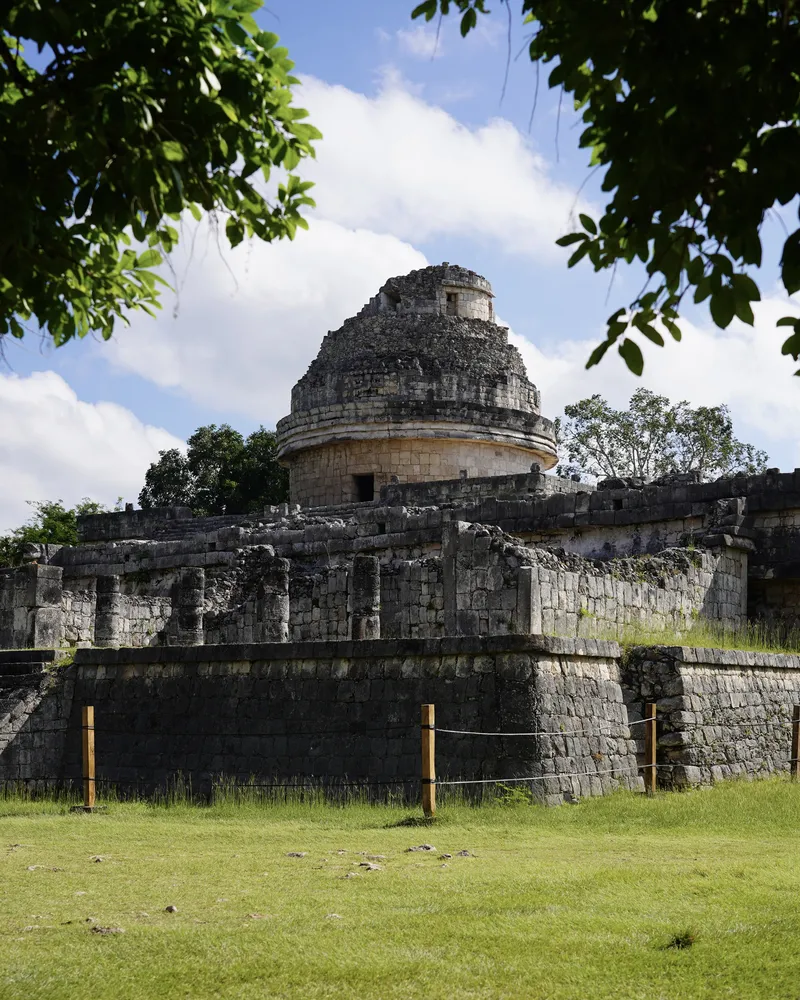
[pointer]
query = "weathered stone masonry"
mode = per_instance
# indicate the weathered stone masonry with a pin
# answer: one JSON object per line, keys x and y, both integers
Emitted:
{"x": 417, "y": 447}
{"x": 329, "y": 712}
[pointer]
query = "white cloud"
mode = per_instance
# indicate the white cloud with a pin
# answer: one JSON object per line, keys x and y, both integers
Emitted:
{"x": 396, "y": 164}
{"x": 741, "y": 367}
{"x": 249, "y": 323}
{"x": 390, "y": 169}
{"x": 54, "y": 446}
{"x": 420, "y": 42}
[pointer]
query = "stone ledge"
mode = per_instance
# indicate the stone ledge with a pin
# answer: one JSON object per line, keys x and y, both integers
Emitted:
{"x": 702, "y": 656}
{"x": 347, "y": 649}
{"x": 31, "y": 655}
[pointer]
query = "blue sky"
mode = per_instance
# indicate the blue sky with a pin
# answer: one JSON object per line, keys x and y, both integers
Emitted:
{"x": 421, "y": 161}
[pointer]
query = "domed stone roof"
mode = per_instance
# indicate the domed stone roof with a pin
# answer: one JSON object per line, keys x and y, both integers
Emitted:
{"x": 422, "y": 362}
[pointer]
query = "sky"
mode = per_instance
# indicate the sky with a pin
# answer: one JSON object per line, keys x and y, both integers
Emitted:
{"x": 428, "y": 155}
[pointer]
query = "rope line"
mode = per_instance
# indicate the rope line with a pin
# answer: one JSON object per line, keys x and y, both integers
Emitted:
{"x": 544, "y": 777}
{"x": 560, "y": 732}
{"x": 243, "y": 786}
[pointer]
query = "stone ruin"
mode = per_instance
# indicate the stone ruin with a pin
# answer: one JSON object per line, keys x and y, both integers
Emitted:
{"x": 422, "y": 529}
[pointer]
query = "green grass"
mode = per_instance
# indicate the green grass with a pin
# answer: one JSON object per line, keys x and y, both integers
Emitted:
{"x": 683, "y": 896}
{"x": 759, "y": 637}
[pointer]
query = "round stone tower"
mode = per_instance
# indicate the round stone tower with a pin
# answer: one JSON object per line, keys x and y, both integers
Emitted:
{"x": 421, "y": 385}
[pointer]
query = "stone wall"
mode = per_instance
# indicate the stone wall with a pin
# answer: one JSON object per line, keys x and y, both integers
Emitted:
{"x": 319, "y": 605}
{"x": 327, "y": 475}
{"x": 30, "y": 607}
{"x": 349, "y": 711}
{"x": 721, "y": 713}
{"x": 412, "y": 598}
{"x": 495, "y": 585}
{"x": 333, "y": 712}
{"x": 776, "y": 603}
{"x": 524, "y": 485}
{"x": 142, "y": 620}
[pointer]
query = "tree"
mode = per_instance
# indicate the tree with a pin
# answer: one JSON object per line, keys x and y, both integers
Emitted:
{"x": 142, "y": 110}
{"x": 51, "y": 524}
{"x": 222, "y": 473}
{"x": 653, "y": 438}
{"x": 692, "y": 111}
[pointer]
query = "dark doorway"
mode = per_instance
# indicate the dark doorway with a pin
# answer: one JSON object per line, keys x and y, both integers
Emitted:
{"x": 365, "y": 488}
{"x": 452, "y": 303}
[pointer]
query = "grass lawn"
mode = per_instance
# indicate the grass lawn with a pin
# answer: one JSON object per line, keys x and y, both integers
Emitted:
{"x": 578, "y": 902}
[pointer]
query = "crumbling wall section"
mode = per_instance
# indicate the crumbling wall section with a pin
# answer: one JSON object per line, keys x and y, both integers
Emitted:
{"x": 495, "y": 585}
{"x": 412, "y": 598}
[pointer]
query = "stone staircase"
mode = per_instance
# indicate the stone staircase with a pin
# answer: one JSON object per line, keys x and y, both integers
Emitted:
{"x": 24, "y": 675}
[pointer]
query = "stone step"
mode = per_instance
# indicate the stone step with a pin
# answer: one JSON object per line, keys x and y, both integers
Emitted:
{"x": 15, "y": 682}
{"x": 29, "y": 666}
{"x": 8, "y": 656}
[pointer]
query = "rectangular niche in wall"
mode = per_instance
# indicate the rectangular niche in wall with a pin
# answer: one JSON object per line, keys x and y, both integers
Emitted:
{"x": 364, "y": 488}
{"x": 452, "y": 303}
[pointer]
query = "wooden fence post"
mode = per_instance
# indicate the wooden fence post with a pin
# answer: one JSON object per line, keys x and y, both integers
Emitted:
{"x": 428, "y": 761}
{"x": 650, "y": 748}
{"x": 794, "y": 762}
{"x": 88, "y": 758}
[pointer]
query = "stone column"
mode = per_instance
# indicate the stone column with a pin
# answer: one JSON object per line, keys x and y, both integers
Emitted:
{"x": 108, "y": 612}
{"x": 30, "y": 607}
{"x": 272, "y": 603}
{"x": 457, "y": 564}
{"x": 365, "y": 591}
{"x": 528, "y": 619}
{"x": 187, "y": 608}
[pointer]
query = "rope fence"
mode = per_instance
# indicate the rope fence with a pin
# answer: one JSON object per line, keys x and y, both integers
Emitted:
{"x": 428, "y": 730}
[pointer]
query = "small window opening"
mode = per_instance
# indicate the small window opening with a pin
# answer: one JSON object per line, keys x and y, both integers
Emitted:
{"x": 364, "y": 488}
{"x": 452, "y": 303}
{"x": 618, "y": 504}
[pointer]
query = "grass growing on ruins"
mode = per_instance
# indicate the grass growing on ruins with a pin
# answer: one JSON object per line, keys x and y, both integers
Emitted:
{"x": 683, "y": 896}
{"x": 759, "y": 637}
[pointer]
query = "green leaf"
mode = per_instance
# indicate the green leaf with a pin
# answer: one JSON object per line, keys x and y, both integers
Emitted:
{"x": 82, "y": 201}
{"x": 234, "y": 230}
{"x": 744, "y": 285}
{"x": 598, "y": 353}
{"x": 632, "y": 356}
{"x": 579, "y": 254}
{"x": 427, "y": 10}
{"x": 588, "y": 223}
{"x": 792, "y": 345}
{"x": 790, "y": 263}
{"x": 150, "y": 258}
{"x": 723, "y": 306}
{"x": 565, "y": 241}
{"x": 172, "y": 150}
{"x": 649, "y": 331}
{"x": 468, "y": 21}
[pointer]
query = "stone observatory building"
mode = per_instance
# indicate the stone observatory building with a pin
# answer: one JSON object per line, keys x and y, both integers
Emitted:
{"x": 422, "y": 385}
{"x": 426, "y": 558}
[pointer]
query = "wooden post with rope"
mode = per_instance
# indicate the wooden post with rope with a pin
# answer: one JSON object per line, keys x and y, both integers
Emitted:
{"x": 88, "y": 759}
{"x": 428, "y": 761}
{"x": 650, "y": 748}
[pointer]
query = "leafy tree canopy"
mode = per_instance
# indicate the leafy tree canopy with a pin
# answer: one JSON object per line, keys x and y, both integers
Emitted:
{"x": 692, "y": 110}
{"x": 51, "y": 523}
{"x": 221, "y": 473}
{"x": 143, "y": 109}
{"x": 652, "y": 438}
